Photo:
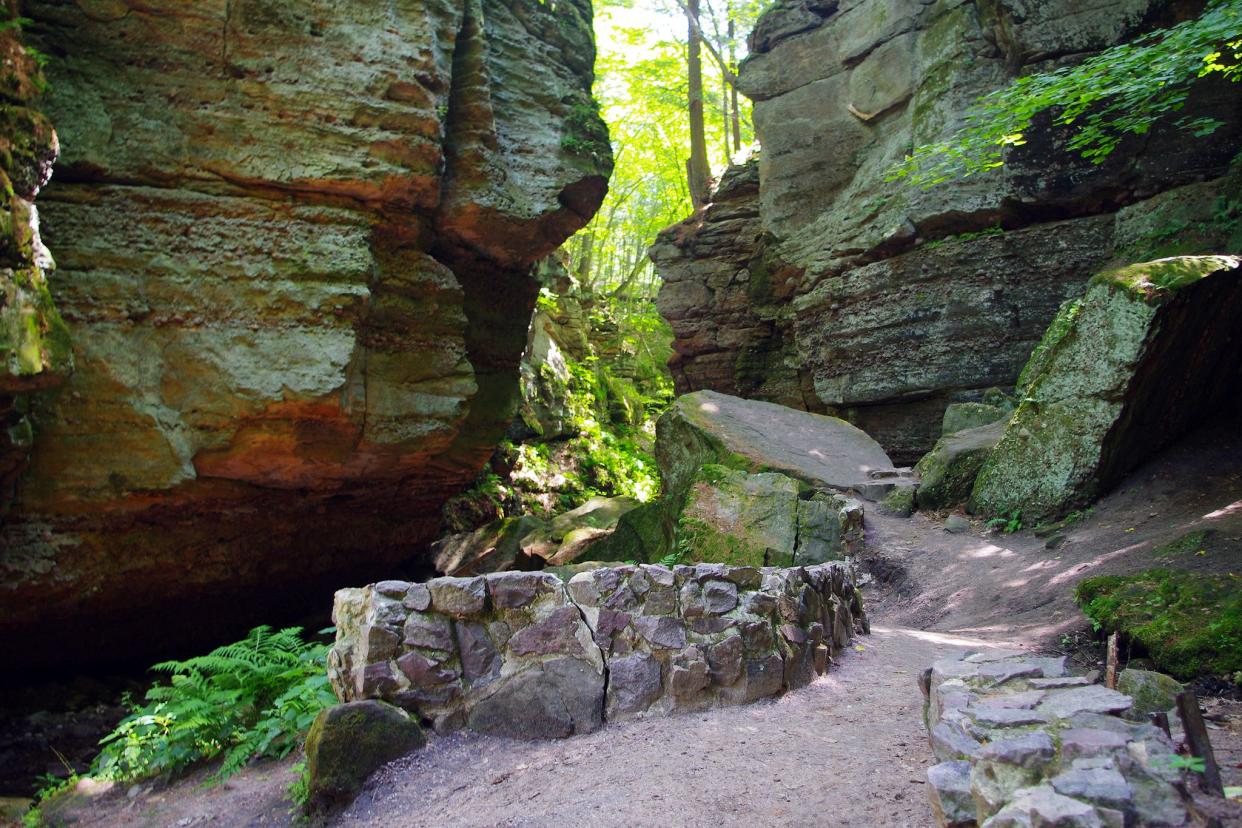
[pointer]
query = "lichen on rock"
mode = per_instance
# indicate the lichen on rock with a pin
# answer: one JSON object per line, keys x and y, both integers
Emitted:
{"x": 1144, "y": 354}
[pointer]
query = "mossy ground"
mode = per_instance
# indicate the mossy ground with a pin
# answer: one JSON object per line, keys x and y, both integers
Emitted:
{"x": 1189, "y": 623}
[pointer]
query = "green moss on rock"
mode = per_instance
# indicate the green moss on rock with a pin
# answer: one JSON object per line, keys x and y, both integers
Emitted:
{"x": 349, "y": 742}
{"x": 1118, "y": 374}
{"x": 947, "y": 472}
{"x": 1189, "y": 623}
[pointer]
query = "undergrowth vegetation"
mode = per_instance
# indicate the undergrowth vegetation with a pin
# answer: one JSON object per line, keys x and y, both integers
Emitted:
{"x": 1189, "y": 623}
{"x": 251, "y": 699}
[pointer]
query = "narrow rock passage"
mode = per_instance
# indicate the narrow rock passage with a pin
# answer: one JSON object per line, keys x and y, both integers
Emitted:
{"x": 849, "y": 750}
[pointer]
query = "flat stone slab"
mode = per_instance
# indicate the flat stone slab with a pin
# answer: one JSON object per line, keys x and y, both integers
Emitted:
{"x": 819, "y": 450}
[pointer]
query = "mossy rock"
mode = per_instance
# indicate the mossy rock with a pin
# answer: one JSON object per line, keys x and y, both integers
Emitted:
{"x": 1152, "y": 692}
{"x": 347, "y": 743}
{"x": 740, "y": 519}
{"x": 1189, "y": 623}
{"x": 1119, "y": 374}
{"x": 899, "y": 502}
{"x": 947, "y": 472}
{"x": 962, "y": 416}
{"x": 642, "y": 535}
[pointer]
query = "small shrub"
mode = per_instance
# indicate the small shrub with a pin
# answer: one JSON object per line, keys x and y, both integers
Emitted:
{"x": 251, "y": 699}
{"x": 1008, "y": 524}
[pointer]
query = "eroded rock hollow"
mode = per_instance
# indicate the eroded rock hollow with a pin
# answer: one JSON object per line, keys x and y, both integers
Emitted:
{"x": 294, "y": 246}
{"x": 812, "y": 281}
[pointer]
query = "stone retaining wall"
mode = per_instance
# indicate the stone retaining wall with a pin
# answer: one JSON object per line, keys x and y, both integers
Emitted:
{"x": 1022, "y": 743}
{"x": 528, "y": 655}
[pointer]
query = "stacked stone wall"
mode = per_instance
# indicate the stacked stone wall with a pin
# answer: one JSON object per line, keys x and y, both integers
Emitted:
{"x": 1021, "y": 742}
{"x": 527, "y": 655}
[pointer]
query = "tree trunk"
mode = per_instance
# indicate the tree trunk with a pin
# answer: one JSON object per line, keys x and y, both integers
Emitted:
{"x": 697, "y": 173}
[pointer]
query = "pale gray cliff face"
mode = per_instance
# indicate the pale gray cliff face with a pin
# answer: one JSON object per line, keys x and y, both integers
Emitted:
{"x": 889, "y": 318}
{"x": 294, "y": 244}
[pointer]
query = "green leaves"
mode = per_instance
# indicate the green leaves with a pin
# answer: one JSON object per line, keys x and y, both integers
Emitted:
{"x": 244, "y": 700}
{"x": 1121, "y": 91}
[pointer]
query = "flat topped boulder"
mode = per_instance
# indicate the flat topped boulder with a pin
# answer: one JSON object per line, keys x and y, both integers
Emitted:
{"x": 709, "y": 427}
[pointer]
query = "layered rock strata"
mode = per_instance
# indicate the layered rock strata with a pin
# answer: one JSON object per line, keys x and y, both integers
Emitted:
{"x": 830, "y": 288}
{"x": 35, "y": 353}
{"x": 526, "y": 655}
{"x": 1022, "y": 742}
{"x": 295, "y": 244}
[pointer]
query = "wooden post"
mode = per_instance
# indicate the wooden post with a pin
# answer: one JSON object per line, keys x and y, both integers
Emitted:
{"x": 1110, "y": 663}
{"x": 1197, "y": 740}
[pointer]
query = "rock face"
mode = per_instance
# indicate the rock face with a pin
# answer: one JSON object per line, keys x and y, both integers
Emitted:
{"x": 991, "y": 718}
{"x": 295, "y": 244}
{"x": 525, "y": 655}
{"x": 1149, "y": 351}
{"x": 35, "y": 353}
{"x": 831, "y": 289}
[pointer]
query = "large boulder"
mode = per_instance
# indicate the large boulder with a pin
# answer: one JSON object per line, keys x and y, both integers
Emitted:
{"x": 744, "y": 519}
{"x": 947, "y": 472}
{"x": 1146, "y": 353}
{"x": 347, "y": 743}
{"x": 753, "y": 483}
{"x": 754, "y": 436}
{"x": 820, "y": 283}
{"x": 295, "y": 246}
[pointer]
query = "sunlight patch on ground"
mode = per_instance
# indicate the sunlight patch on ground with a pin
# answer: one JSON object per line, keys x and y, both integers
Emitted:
{"x": 1232, "y": 509}
{"x": 988, "y": 551}
{"x": 1072, "y": 574}
{"x": 946, "y": 639}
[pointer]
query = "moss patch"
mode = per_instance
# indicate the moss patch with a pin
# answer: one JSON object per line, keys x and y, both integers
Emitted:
{"x": 1190, "y": 624}
{"x": 1153, "y": 281}
{"x": 1190, "y": 543}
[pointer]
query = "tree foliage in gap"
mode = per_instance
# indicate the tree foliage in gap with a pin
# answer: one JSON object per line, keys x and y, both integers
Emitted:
{"x": 1123, "y": 90}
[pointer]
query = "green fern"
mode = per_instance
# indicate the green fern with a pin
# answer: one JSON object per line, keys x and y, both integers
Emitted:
{"x": 245, "y": 700}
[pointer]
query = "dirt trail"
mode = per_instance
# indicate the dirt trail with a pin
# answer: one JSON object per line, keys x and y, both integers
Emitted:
{"x": 849, "y": 750}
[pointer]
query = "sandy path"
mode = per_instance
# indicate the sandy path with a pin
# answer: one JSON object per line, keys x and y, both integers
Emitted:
{"x": 849, "y": 750}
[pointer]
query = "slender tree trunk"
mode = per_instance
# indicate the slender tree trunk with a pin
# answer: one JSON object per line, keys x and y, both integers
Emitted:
{"x": 737, "y": 118}
{"x": 696, "y": 167}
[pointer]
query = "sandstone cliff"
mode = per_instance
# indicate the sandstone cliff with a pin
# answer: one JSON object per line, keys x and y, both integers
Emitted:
{"x": 294, "y": 246}
{"x": 34, "y": 344}
{"x": 829, "y": 288}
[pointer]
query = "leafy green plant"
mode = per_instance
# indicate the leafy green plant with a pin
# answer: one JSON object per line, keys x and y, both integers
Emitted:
{"x": 1194, "y": 764}
{"x": 1124, "y": 90}
{"x": 1008, "y": 524}
{"x": 253, "y": 698}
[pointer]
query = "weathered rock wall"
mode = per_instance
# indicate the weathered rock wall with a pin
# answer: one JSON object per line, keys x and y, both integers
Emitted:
{"x": 295, "y": 243}
{"x": 34, "y": 343}
{"x": 526, "y": 655}
{"x": 890, "y": 302}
